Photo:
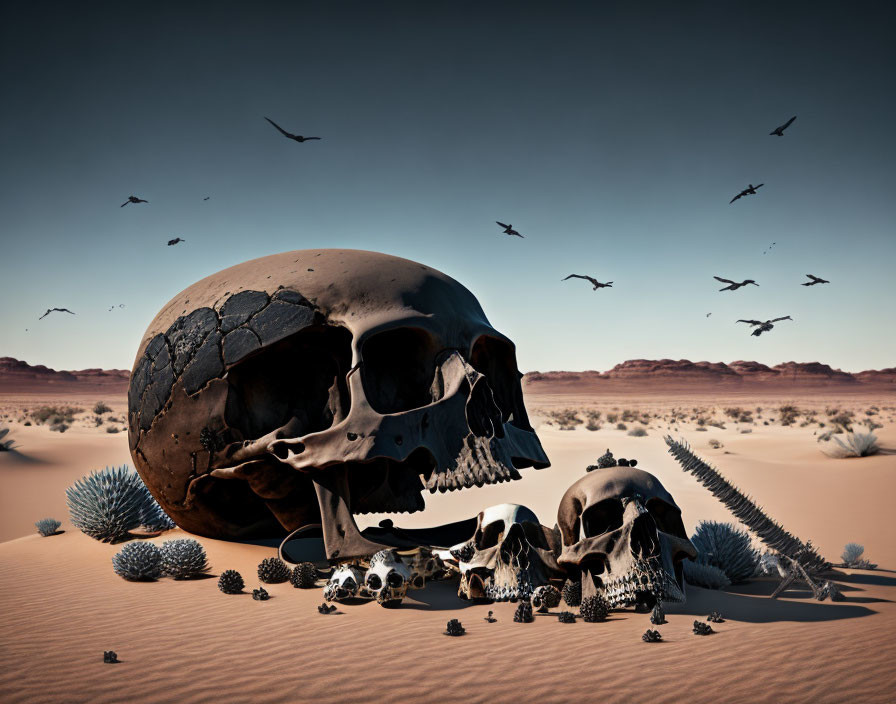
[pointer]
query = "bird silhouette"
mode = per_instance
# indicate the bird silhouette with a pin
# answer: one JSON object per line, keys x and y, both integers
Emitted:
{"x": 51, "y": 310}
{"x": 708, "y": 314}
{"x": 815, "y": 280}
{"x": 206, "y": 198}
{"x": 133, "y": 199}
{"x": 779, "y": 131}
{"x": 733, "y": 284}
{"x": 508, "y": 229}
{"x": 120, "y": 305}
{"x": 748, "y": 191}
{"x": 290, "y": 135}
{"x": 597, "y": 284}
{"x": 764, "y": 325}
{"x": 175, "y": 241}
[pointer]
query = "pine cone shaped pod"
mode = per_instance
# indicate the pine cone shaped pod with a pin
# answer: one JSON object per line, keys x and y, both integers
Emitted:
{"x": 702, "y": 629}
{"x": 566, "y": 617}
{"x": 455, "y": 628}
{"x": 260, "y": 594}
{"x": 572, "y": 593}
{"x": 231, "y": 582}
{"x": 304, "y": 575}
{"x": 651, "y": 636}
{"x": 658, "y": 617}
{"x": 715, "y": 617}
{"x": 138, "y": 561}
{"x": 273, "y": 570}
{"x": 606, "y": 460}
{"x": 594, "y": 609}
{"x": 183, "y": 558}
{"x": 523, "y": 613}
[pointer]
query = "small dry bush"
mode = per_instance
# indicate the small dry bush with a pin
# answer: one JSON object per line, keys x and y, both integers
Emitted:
{"x": 565, "y": 419}
{"x": 637, "y": 432}
{"x": 101, "y": 408}
{"x": 621, "y": 426}
{"x": 55, "y": 415}
{"x": 714, "y": 444}
{"x": 854, "y": 445}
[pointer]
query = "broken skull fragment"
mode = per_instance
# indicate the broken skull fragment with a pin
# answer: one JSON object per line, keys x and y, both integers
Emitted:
{"x": 306, "y": 387}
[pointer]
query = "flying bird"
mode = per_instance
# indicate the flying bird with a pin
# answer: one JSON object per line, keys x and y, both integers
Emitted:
{"x": 133, "y": 199}
{"x": 175, "y": 241}
{"x": 733, "y": 284}
{"x": 120, "y": 305}
{"x": 779, "y": 131}
{"x": 815, "y": 280}
{"x": 597, "y": 284}
{"x": 708, "y": 314}
{"x": 51, "y": 310}
{"x": 508, "y": 229}
{"x": 748, "y": 191}
{"x": 296, "y": 137}
{"x": 764, "y": 326}
{"x": 206, "y": 198}
{"x": 769, "y": 248}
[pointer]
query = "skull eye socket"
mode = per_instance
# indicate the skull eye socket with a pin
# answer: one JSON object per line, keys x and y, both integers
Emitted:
{"x": 349, "y": 584}
{"x": 374, "y": 581}
{"x": 490, "y": 535}
{"x": 495, "y": 359}
{"x": 603, "y": 517}
{"x": 394, "y": 580}
{"x": 667, "y": 517}
{"x": 399, "y": 370}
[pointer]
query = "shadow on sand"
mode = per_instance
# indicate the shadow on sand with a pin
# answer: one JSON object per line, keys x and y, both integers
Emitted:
{"x": 750, "y": 603}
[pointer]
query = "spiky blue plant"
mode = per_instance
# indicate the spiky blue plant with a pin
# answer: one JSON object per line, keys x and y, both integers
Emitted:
{"x": 183, "y": 558}
{"x": 108, "y": 504}
{"x": 138, "y": 561}
{"x": 726, "y": 547}
{"x": 852, "y": 553}
{"x": 706, "y": 576}
{"x": 5, "y": 445}
{"x": 47, "y": 526}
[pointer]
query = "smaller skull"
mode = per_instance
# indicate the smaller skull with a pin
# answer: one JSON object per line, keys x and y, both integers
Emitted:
{"x": 545, "y": 597}
{"x": 344, "y": 583}
{"x": 425, "y": 566}
{"x": 508, "y": 557}
{"x": 622, "y": 532}
{"x": 388, "y": 578}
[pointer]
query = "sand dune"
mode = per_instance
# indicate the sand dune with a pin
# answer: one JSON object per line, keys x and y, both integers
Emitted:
{"x": 186, "y": 642}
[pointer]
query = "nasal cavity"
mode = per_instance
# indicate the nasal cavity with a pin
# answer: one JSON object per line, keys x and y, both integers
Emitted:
{"x": 285, "y": 449}
{"x": 644, "y": 538}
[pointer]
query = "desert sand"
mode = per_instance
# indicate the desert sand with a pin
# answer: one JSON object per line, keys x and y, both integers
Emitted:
{"x": 187, "y": 642}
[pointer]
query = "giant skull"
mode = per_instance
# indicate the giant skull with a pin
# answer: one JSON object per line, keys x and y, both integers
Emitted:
{"x": 622, "y": 532}
{"x": 304, "y": 387}
{"x": 509, "y": 556}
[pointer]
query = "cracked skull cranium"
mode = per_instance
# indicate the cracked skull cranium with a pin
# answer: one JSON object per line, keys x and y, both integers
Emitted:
{"x": 622, "y": 532}
{"x": 509, "y": 556}
{"x": 305, "y": 387}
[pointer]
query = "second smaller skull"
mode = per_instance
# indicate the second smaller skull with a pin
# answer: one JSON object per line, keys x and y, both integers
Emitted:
{"x": 509, "y": 556}
{"x": 344, "y": 583}
{"x": 388, "y": 578}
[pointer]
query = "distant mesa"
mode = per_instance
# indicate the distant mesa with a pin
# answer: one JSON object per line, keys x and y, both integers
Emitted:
{"x": 19, "y": 376}
{"x": 685, "y": 372}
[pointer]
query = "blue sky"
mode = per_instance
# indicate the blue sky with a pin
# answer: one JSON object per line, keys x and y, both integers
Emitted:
{"x": 612, "y": 135}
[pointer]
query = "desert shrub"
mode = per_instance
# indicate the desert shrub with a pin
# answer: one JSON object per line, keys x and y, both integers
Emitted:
{"x": 101, "y": 408}
{"x": 183, "y": 558}
{"x": 565, "y": 419}
{"x": 112, "y": 429}
{"x": 621, "y": 426}
{"x": 852, "y": 553}
{"x": 97, "y": 421}
{"x": 714, "y": 444}
{"x": 59, "y": 427}
{"x": 872, "y": 426}
{"x": 706, "y": 576}
{"x": 702, "y": 429}
{"x": 843, "y": 421}
{"x": 612, "y": 417}
{"x": 138, "y": 561}
{"x": 592, "y": 425}
{"x": 108, "y": 504}
{"x": 716, "y": 424}
{"x": 55, "y": 414}
{"x": 789, "y": 413}
{"x": 6, "y": 445}
{"x": 47, "y": 526}
{"x": 629, "y": 416}
{"x": 855, "y": 445}
{"x": 726, "y": 547}
{"x": 637, "y": 432}
{"x": 744, "y": 431}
